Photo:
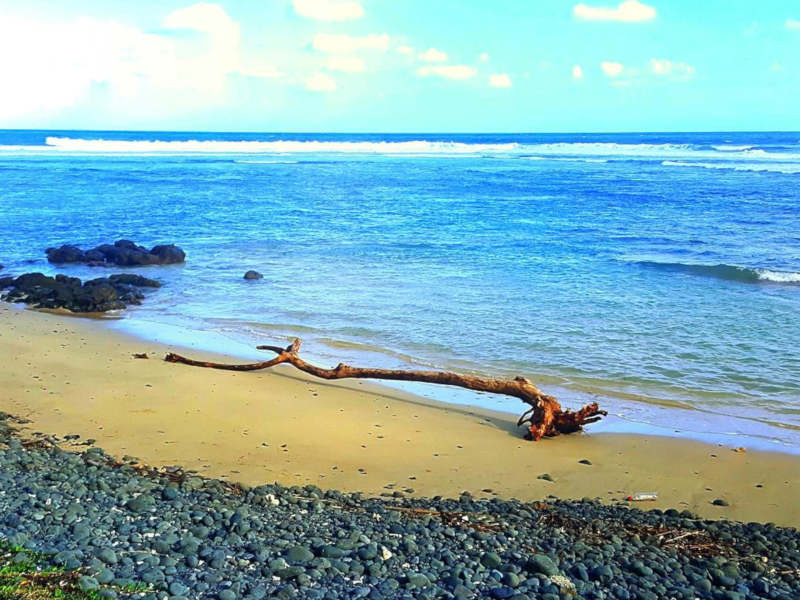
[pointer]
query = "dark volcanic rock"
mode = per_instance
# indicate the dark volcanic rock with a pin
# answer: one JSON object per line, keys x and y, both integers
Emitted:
{"x": 253, "y": 275}
{"x": 168, "y": 254}
{"x": 66, "y": 254}
{"x": 122, "y": 252}
{"x": 96, "y": 295}
{"x": 135, "y": 280}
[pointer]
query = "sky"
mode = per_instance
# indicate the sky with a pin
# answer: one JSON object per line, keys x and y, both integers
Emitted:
{"x": 401, "y": 65}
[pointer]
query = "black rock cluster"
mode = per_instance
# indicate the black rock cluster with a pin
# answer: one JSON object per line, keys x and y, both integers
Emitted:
{"x": 123, "y": 253}
{"x": 177, "y": 536}
{"x": 96, "y": 295}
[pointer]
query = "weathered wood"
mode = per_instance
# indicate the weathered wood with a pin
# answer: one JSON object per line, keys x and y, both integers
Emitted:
{"x": 544, "y": 418}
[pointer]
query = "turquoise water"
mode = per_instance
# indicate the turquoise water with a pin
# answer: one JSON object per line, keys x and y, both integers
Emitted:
{"x": 656, "y": 273}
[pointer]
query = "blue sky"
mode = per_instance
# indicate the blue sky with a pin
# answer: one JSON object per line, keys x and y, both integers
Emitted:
{"x": 401, "y": 65}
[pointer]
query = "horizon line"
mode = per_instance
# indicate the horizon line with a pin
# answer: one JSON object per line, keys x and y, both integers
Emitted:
{"x": 301, "y": 132}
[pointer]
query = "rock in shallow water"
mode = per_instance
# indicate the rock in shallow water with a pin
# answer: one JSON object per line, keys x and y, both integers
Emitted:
{"x": 124, "y": 253}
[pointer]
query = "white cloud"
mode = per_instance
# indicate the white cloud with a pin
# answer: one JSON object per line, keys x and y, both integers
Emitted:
{"x": 336, "y": 43}
{"x": 499, "y": 80}
{"x": 57, "y": 65}
{"x": 656, "y": 68}
{"x": 629, "y": 11}
{"x": 224, "y": 34}
{"x": 328, "y": 10}
{"x": 433, "y": 55}
{"x": 612, "y": 69}
{"x": 405, "y": 50}
{"x": 204, "y": 16}
{"x": 447, "y": 71}
{"x": 484, "y": 57}
{"x": 792, "y": 24}
{"x": 664, "y": 67}
{"x": 776, "y": 67}
{"x": 261, "y": 71}
{"x": 348, "y": 64}
{"x": 320, "y": 82}
{"x": 577, "y": 72}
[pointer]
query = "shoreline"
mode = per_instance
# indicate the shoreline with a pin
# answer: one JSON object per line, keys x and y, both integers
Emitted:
{"x": 626, "y": 415}
{"x": 74, "y": 376}
{"x": 633, "y": 410}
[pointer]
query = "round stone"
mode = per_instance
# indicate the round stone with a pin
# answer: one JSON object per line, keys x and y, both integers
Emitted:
{"x": 300, "y": 554}
{"x": 543, "y": 564}
{"x": 491, "y": 560}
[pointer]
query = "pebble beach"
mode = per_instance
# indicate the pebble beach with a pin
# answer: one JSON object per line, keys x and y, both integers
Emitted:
{"x": 169, "y": 534}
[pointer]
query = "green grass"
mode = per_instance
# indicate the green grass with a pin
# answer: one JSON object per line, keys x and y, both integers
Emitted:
{"x": 29, "y": 575}
{"x": 26, "y": 575}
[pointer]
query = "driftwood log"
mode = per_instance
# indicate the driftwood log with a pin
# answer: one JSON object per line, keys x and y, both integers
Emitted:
{"x": 545, "y": 418}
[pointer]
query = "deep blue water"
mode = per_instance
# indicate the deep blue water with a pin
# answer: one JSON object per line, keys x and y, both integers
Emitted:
{"x": 657, "y": 272}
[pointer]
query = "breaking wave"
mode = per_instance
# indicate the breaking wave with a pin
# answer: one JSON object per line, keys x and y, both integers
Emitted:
{"x": 731, "y": 148}
{"x": 656, "y": 151}
{"x": 788, "y": 168}
{"x": 739, "y": 157}
{"x": 727, "y": 272}
{"x": 275, "y": 147}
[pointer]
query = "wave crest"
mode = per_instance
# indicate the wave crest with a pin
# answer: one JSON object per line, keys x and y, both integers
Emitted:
{"x": 739, "y": 157}
{"x": 788, "y": 168}
{"x": 274, "y": 147}
{"x": 727, "y": 272}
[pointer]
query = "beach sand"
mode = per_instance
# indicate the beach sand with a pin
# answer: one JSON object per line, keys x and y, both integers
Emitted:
{"x": 75, "y": 376}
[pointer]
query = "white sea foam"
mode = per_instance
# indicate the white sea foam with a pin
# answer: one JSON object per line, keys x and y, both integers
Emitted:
{"x": 786, "y": 161}
{"x": 570, "y": 158}
{"x": 610, "y": 149}
{"x": 731, "y": 148}
{"x": 654, "y": 151}
{"x": 273, "y": 147}
{"x": 778, "y": 276}
{"x": 789, "y": 168}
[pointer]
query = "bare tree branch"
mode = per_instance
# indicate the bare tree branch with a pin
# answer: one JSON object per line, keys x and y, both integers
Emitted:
{"x": 544, "y": 418}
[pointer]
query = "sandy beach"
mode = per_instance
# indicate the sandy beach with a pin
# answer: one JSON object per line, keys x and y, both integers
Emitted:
{"x": 74, "y": 376}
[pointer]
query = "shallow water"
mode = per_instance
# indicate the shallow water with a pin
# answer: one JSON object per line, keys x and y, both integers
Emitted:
{"x": 659, "y": 273}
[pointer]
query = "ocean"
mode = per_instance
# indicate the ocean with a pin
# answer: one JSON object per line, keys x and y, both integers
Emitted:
{"x": 655, "y": 273}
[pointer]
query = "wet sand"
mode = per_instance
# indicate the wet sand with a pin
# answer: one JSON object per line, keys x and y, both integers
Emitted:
{"x": 75, "y": 376}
